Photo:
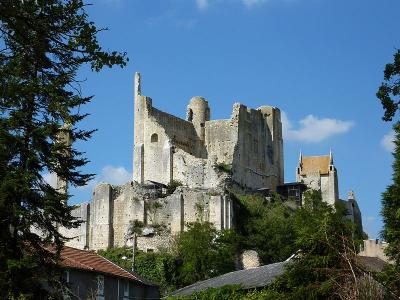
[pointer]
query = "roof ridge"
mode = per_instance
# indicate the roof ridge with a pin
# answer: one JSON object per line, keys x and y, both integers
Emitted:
{"x": 121, "y": 268}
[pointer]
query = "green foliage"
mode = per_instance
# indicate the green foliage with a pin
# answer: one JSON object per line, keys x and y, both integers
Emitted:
{"x": 389, "y": 91}
{"x": 223, "y": 167}
{"x": 121, "y": 256}
{"x": 44, "y": 43}
{"x": 265, "y": 226}
{"x": 199, "y": 253}
{"x": 135, "y": 227}
{"x": 229, "y": 292}
{"x": 171, "y": 187}
{"x": 391, "y": 217}
{"x": 159, "y": 267}
{"x": 326, "y": 264}
{"x": 204, "y": 252}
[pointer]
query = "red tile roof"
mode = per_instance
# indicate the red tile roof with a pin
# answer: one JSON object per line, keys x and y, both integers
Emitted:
{"x": 89, "y": 260}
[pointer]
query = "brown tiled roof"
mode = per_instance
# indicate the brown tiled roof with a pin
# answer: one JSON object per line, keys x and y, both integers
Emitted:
{"x": 315, "y": 164}
{"x": 88, "y": 260}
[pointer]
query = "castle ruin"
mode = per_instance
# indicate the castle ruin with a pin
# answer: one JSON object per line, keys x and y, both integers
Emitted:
{"x": 168, "y": 148}
{"x": 201, "y": 155}
{"x": 201, "y": 158}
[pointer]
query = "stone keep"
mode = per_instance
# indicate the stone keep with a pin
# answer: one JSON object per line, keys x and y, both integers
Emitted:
{"x": 168, "y": 148}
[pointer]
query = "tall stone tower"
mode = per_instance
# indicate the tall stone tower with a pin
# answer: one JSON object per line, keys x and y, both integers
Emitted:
{"x": 198, "y": 113}
{"x": 138, "y": 151}
{"x": 64, "y": 137}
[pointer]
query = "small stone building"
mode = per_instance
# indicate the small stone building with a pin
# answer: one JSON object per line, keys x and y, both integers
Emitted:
{"x": 319, "y": 173}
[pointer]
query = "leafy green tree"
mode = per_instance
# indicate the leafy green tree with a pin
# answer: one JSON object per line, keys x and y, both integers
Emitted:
{"x": 389, "y": 91}
{"x": 43, "y": 44}
{"x": 159, "y": 267}
{"x": 326, "y": 263}
{"x": 204, "y": 252}
{"x": 266, "y": 226}
{"x": 122, "y": 256}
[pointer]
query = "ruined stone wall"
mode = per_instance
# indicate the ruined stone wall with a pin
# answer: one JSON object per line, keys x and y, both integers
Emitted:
{"x": 127, "y": 205}
{"x": 167, "y": 147}
{"x": 79, "y": 235}
{"x": 114, "y": 207}
{"x": 181, "y": 133}
{"x": 188, "y": 169}
{"x": 101, "y": 214}
{"x": 258, "y": 160}
{"x": 221, "y": 140}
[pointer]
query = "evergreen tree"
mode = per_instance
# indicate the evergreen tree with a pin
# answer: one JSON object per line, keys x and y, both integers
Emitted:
{"x": 389, "y": 91}
{"x": 389, "y": 94}
{"x": 43, "y": 44}
{"x": 391, "y": 215}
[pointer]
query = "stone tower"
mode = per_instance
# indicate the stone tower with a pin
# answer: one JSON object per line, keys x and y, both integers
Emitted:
{"x": 198, "y": 113}
{"x": 319, "y": 173}
{"x": 64, "y": 137}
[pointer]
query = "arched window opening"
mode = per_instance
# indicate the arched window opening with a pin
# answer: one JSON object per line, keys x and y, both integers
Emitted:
{"x": 154, "y": 138}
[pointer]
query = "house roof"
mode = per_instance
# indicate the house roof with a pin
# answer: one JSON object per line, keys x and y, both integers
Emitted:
{"x": 90, "y": 261}
{"x": 311, "y": 164}
{"x": 372, "y": 263}
{"x": 250, "y": 278}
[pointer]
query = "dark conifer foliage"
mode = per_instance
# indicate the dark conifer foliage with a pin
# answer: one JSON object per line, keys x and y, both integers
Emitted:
{"x": 42, "y": 45}
{"x": 389, "y": 95}
{"x": 391, "y": 215}
{"x": 389, "y": 91}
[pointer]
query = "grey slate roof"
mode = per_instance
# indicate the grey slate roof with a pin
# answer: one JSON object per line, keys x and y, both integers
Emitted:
{"x": 250, "y": 278}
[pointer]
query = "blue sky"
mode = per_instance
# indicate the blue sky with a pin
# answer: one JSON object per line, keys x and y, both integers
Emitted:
{"x": 319, "y": 61}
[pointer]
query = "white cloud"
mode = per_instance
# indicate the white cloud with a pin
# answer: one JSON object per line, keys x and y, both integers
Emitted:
{"x": 370, "y": 218}
{"x": 51, "y": 179}
{"x": 251, "y": 3}
{"x": 313, "y": 129}
{"x": 109, "y": 174}
{"x": 202, "y": 4}
{"x": 115, "y": 175}
{"x": 387, "y": 141}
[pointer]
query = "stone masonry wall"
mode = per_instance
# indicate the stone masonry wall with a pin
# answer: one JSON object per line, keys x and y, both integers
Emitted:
{"x": 169, "y": 148}
{"x": 114, "y": 207}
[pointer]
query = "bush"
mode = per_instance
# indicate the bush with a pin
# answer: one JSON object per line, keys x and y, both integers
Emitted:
{"x": 223, "y": 167}
{"x": 158, "y": 267}
{"x": 171, "y": 187}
